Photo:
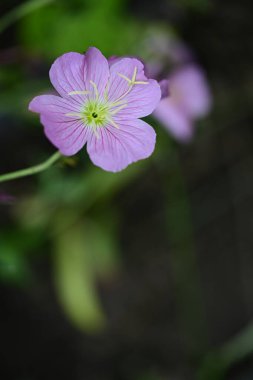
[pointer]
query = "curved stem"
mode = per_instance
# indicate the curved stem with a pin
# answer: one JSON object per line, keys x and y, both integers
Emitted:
{"x": 32, "y": 170}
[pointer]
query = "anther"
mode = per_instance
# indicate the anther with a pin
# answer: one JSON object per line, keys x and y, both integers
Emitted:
{"x": 71, "y": 114}
{"x": 132, "y": 81}
{"x": 115, "y": 125}
{"x": 95, "y": 89}
{"x": 79, "y": 92}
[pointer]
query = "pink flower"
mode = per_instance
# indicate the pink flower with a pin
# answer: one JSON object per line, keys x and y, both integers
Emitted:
{"x": 100, "y": 104}
{"x": 189, "y": 99}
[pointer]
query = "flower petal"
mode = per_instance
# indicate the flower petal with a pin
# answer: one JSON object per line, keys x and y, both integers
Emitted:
{"x": 117, "y": 84}
{"x": 97, "y": 71}
{"x": 116, "y": 148}
{"x": 143, "y": 97}
{"x": 68, "y": 136}
{"x": 66, "y": 132}
{"x": 113, "y": 59}
{"x": 174, "y": 119}
{"x": 53, "y": 106}
{"x": 190, "y": 86}
{"x": 164, "y": 85}
{"x": 141, "y": 101}
{"x": 68, "y": 74}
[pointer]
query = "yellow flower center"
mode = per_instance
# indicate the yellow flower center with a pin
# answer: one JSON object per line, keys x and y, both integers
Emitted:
{"x": 98, "y": 113}
{"x": 95, "y": 112}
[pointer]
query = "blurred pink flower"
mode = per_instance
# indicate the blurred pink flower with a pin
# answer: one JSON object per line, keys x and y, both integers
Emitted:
{"x": 164, "y": 51}
{"x": 189, "y": 99}
{"x": 100, "y": 104}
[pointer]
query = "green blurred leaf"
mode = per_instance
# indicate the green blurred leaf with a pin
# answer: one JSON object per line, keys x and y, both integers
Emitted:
{"x": 85, "y": 186}
{"x": 14, "y": 266}
{"x": 20, "y": 11}
{"x": 103, "y": 253}
{"x": 75, "y": 281}
{"x": 98, "y": 23}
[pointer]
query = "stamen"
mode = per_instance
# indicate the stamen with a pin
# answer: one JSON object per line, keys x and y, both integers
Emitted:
{"x": 125, "y": 94}
{"x": 115, "y": 111}
{"x": 131, "y": 82}
{"x": 134, "y": 77}
{"x": 79, "y": 92}
{"x": 95, "y": 89}
{"x": 124, "y": 77}
{"x": 134, "y": 74}
{"x": 113, "y": 123}
{"x": 106, "y": 91}
{"x": 117, "y": 103}
{"x": 73, "y": 114}
{"x": 95, "y": 132}
{"x": 140, "y": 82}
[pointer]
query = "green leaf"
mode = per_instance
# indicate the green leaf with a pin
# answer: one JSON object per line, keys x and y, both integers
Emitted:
{"x": 105, "y": 26}
{"x": 14, "y": 267}
{"x": 74, "y": 277}
{"x": 21, "y": 11}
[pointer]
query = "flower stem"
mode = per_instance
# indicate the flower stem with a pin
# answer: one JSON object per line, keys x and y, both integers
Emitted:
{"x": 32, "y": 170}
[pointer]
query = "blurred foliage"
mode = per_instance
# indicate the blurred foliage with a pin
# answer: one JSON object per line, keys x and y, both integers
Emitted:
{"x": 13, "y": 265}
{"x": 20, "y": 11}
{"x": 100, "y": 23}
{"x": 74, "y": 277}
{"x": 15, "y": 245}
{"x": 73, "y": 211}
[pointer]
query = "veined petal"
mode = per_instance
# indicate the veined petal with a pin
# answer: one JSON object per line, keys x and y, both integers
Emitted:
{"x": 97, "y": 72}
{"x": 68, "y": 75}
{"x": 53, "y": 106}
{"x": 118, "y": 85}
{"x": 116, "y": 148}
{"x": 174, "y": 119}
{"x": 94, "y": 94}
{"x": 113, "y": 59}
{"x": 141, "y": 100}
{"x": 68, "y": 136}
{"x": 62, "y": 123}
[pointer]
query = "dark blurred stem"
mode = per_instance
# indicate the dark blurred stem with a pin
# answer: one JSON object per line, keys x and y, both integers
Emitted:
{"x": 183, "y": 258}
{"x": 21, "y": 11}
{"x": 32, "y": 170}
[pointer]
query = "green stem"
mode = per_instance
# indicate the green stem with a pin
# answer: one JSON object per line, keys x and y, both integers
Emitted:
{"x": 21, "y": 11}
{"x": 32, "y": 170}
